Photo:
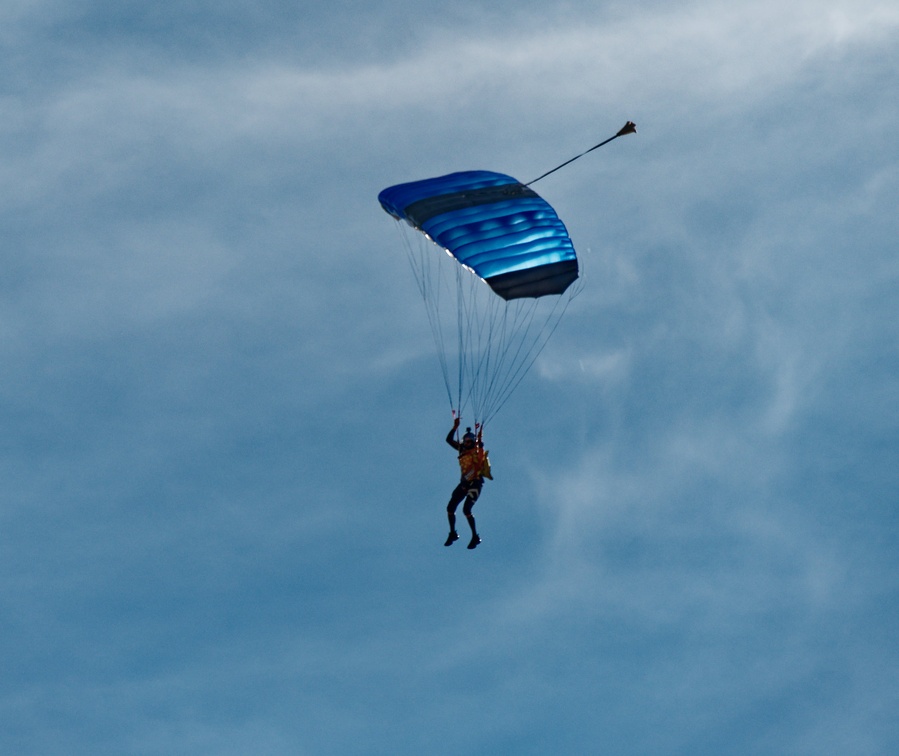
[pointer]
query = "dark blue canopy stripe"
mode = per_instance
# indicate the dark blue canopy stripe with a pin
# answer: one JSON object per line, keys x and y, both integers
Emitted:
{"x": 504, "y": 231}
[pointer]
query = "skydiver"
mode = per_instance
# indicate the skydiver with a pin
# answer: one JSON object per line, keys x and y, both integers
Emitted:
{"x": 475, "y": 467}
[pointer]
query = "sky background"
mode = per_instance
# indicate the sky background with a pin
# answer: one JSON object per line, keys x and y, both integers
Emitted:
{"x": 222, "y": 420}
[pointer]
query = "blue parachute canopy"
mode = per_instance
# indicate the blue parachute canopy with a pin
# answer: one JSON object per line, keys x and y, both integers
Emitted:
{"x": 493, "y": 224}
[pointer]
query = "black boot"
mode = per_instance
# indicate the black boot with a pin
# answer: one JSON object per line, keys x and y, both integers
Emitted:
{"x": 475, "y": 540}
{"x": 453, "y": 536}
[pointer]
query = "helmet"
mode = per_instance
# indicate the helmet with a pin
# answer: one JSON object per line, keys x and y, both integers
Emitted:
{"x": 469, "y": 437}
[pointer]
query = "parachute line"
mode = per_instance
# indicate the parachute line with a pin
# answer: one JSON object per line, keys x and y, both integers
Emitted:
{"x": 495, "y": 342}
{"x": 429, "y": 287}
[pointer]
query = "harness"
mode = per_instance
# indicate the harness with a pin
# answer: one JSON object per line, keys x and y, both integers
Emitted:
{"x": 471, "y": 463}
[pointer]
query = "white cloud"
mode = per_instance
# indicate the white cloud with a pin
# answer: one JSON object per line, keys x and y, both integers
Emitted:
{"x": 610, "y": 367}
{"x": 694, "y": 53}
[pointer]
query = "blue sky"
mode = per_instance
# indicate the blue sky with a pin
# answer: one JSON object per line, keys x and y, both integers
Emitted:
{"x": 223, "y": 468}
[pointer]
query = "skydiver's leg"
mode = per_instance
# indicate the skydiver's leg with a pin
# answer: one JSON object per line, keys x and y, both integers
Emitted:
{"x": 458, "y": 494}
{"x": 466, "y": 510}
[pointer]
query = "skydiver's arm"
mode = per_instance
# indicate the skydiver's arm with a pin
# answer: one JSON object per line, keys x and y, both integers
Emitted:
{"x": 449, "y": 436}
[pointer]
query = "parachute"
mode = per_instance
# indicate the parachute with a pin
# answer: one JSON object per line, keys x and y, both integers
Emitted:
{"x": 494, "y": 300}
{"x": 498, "y": 295}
